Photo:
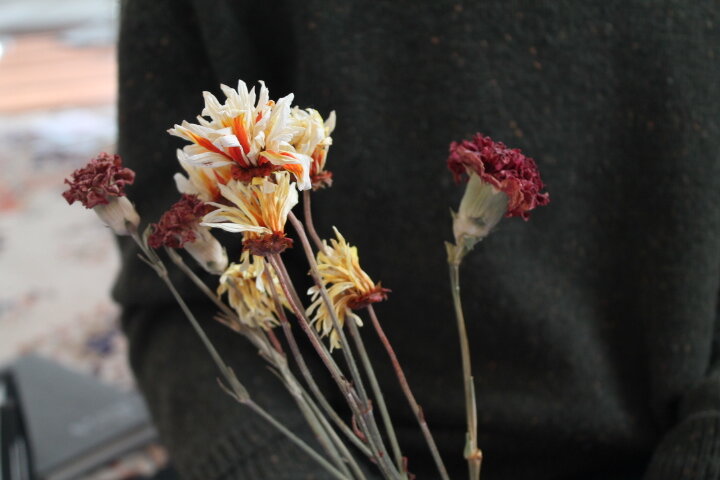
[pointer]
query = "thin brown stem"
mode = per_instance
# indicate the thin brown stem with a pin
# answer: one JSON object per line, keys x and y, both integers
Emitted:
{"x": 416, "y": 408}
{"x": 361, "y": 411}
{"x": 307, "y": 210}
{"x": 180, "y": 263}
{"x": 365, "y": 359}
{"x": 295, "y": 439}
{"x": 236, "y": 389}
{"x": 307, "y": 375}
{"x": 346, "y": 350}
{"x": 344, "y": 451}
{"x": 275, "y": 342}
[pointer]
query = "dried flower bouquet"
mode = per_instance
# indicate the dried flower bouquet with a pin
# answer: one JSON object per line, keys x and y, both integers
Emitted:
{"x": 246, "y": 162}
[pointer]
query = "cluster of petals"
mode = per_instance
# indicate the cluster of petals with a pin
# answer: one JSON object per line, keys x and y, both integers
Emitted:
{"x": 201, "y": 181}
{"x": 179, "y": 224}
{"x": 253, "y": 136}
{"x": 248, "y": 291}
{"x": 103, "y": 177}
{"x": 258, "y": 210}
{"x": 349, "y": 287}
{"x": 314, "y": 141}
{"x": 506, "y": 169}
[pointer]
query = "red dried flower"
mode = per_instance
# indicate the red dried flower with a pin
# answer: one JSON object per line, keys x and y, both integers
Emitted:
{"x": 506, "y": 169}
{"x": 103, "y": 177}
{"x": 178, "y": 225}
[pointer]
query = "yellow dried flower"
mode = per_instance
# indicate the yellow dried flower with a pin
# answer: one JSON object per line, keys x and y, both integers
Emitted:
{"x": 248, "y": 292}
{"x": 259, "y": 210}
{"x": 349, "y": 287}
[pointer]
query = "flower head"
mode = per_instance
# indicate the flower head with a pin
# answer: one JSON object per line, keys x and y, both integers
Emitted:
{"x": 349, "y": 287}
{"x": 506, "y": 169}
{"x": 250, "y": 135}
{"x": 100, "y": 185}
{"x": 103, "y": 177}
{"x": 314, "y": 140}
{"x": 246, "y": 285}
{"x": 180, "y": 227}
{"x": 259, "y": 210}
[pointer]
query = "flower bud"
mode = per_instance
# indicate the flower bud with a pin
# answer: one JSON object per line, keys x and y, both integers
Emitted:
{"x": 118, "y": 214}
{"x": 481, "y": 208}
{"x": 207, "y": 251}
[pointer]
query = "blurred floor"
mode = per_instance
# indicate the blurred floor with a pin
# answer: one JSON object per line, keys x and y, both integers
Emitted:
{"x": 39, "y": 71}
{"x": 57, "y": 262}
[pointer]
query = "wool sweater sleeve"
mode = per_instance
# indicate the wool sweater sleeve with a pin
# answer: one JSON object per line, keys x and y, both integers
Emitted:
{"x": 690, "y": 450}
{"x": 164, "y": 68}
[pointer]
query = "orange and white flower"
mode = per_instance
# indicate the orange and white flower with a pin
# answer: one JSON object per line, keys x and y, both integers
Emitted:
{"x": 314, "y": 140}
{"x": 201, "y": 181}
{"x": 250, "y": 135}
{"x": 248, "y": 293}
{"x": 348, "y": 286}
{"x": 258, "y": 210}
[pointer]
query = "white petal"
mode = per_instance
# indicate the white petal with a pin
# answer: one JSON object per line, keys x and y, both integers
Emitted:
{"x": 184, "y": 185}
{"x": 236, "y": 227}
{"x": 330, "y": 123}
{"x": 226, "y": 141}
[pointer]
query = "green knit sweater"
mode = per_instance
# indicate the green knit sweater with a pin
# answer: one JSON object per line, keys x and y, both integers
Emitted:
{"x": 594, "y": 326}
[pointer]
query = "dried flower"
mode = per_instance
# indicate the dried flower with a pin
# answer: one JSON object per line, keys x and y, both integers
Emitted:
{"x": 248, "y": 293}
{"x": 349, "y": 287}
{"x": 103, "y": 177}
{"x": 100, "y": 185}
{"x": 314, "y": 140}
{"x": 252, "y": 137}
{"x": 259, "y": 210}
{"x": 506, "y": 169}
{"x": 180, "y": 227}
{"x": 502, "y": 181}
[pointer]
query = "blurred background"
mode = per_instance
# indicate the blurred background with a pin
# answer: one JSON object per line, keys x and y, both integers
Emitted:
{"x": 57, "y": 263}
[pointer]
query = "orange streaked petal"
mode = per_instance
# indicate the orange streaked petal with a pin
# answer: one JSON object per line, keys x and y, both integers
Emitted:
{"x": 206, "y": 144}
{"x": 294, "y": 168}
{"x": 240, "y": 133}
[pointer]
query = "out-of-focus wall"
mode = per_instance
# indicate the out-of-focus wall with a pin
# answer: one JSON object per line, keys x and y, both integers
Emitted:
{"x": 57, "y": 262}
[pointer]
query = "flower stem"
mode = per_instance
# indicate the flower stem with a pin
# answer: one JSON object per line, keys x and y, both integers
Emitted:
{"x": 180, "y": 263}
{"x": 307, "y": 210}
{"x": 472, "y": 454}
{"x": 296, "y": 440}
{"x": 305, "y": 371}
{"x": 258, "y": 338}
{"x": 416, "y": 408}
{"x": 261, "y": 338}
{"x": 356, "y": 470}
{"x": 237, "y": 390}
{"x": 377, "y": 392}
{"x": 314, "y": 418}
{"x": 362, "y": 411}
{"x": 346, "y": 350}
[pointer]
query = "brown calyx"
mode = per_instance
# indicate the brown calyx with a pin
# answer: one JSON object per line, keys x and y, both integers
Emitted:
{"x": 377, "y": 294}
{"x": 246, "y": 174}
{"x": 268, "y": 244}
{"x": 321, "y": 180}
